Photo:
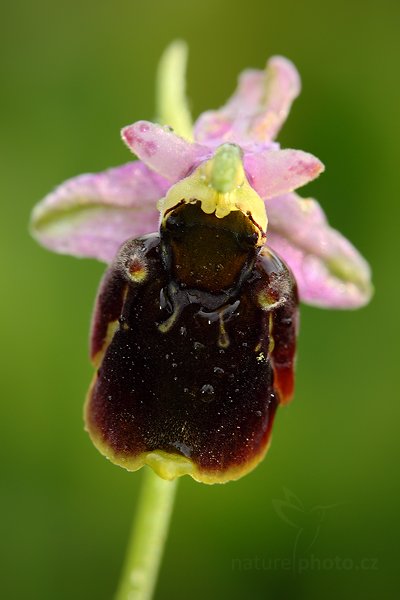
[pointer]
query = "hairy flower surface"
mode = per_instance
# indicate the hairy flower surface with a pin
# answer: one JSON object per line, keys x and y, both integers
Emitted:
{"x": 177, "y": 386}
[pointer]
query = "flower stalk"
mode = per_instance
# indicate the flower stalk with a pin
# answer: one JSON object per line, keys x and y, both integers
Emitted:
{"x": 148, "y": 537}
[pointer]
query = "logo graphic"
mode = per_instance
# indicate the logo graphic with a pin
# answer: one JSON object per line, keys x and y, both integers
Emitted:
{"x": 306, "y": 521}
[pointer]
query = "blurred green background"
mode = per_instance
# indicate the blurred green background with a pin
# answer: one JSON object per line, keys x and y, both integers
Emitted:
{"x": 72, "y": 74}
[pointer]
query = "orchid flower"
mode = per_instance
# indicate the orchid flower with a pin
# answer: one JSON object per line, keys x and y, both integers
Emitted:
{"x": 194, "y": 330}
{"x": 232, "y": 167}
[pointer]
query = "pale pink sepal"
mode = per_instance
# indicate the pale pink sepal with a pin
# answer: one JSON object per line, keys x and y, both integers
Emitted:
{"x": 258, "y": 108}
{"x": 329, "y": 271}
{"x": 93, "y": 214}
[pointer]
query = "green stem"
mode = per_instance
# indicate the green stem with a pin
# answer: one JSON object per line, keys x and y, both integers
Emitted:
{"x": 149, "y": 533}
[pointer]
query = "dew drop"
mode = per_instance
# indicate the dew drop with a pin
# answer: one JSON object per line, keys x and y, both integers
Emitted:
{"x": 207, "y": 393}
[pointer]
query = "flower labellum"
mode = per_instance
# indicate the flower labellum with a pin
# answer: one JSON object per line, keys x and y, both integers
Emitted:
{"x": 194, "y": 334}
{"x": 194, "y": 329}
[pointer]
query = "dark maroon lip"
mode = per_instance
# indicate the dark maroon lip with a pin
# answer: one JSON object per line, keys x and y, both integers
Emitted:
{"x": 190, "y": 372}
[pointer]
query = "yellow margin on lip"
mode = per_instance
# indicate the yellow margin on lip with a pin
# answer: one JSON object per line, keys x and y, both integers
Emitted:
{"x": 165, "y": 464}
{"x": 112, "y": 327}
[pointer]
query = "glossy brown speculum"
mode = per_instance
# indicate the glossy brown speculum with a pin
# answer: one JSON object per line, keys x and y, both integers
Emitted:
{"x": 187, "y": 365}
{"x": 205, "y": 252}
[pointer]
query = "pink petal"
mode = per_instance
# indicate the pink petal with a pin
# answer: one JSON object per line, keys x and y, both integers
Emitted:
{"x": 276, "y": 172}
{"x": 93, "y": 214}
{"x": 258, "y": 108}
{"x": 162, "y": 150}
{"x": 329, "y": 271}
